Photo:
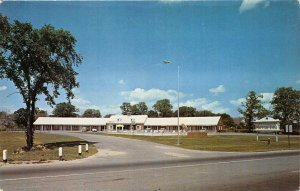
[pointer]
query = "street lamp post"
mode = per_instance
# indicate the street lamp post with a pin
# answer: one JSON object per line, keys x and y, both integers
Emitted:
{"x": 178, "y": 127}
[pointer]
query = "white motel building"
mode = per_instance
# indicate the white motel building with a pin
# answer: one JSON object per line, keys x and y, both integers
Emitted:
{"x": 128, "y": 122}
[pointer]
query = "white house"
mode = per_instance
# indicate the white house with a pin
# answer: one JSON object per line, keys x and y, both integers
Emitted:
{"x": 128, "y": 122}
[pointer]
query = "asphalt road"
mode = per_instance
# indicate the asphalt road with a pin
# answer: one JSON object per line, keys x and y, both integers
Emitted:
{"x": 124, "y": 164}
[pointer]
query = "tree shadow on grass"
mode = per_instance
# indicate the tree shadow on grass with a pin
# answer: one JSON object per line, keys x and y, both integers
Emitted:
{"x": 66, "y": 144}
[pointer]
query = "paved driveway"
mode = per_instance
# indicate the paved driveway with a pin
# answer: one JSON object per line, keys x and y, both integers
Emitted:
{"x": 127, "y": 164}
{"x": 116, "y": 150}
{"x": 119, "y": 150}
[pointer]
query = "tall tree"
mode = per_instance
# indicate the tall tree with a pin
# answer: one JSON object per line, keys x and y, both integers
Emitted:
{"x": 6, "y": 121}
{"x": 91, "y": 113}
{"x": 163, "y": 107}
{"x": 139, "y": 109}
{"x": 40, "y": 113}
{"x": 126, "y": 108}
{"x": 204, "y": 113}
{"x": 286, "y": 105}
{"x": 20, "y": 118}
{"x": 108, "y": 115}
{"x": 227, "y": 120}
{"x": 142, "y": 108}
{"x": 251, "y": 109}
{"x": 152, "y": 113}
{"x": 65, "y": 110}
{"x": 134, "y": 110}
{"x": 185, "y": 111}
{"x": 37, "y": 61}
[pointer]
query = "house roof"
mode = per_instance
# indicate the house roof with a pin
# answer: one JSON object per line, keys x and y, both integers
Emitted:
{"x": 191, "y": 121}
{"x": 70, "y": 121}
{"x": 267, "y": 120}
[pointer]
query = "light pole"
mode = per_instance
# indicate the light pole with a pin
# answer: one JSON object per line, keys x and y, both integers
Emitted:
{"x": 178, "y": 128}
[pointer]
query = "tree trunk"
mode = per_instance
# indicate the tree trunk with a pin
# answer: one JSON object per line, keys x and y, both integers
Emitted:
{"x": 30, "y": 128}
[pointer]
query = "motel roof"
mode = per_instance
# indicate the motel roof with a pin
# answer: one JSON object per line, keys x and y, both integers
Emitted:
{"x": 128, "y": 119}
{"x": 125, "y": 119}
{"x": 71, "y": 121}
{"x": 191, "y": 121}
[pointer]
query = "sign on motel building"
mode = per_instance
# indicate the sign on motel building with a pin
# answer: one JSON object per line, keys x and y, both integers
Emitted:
{"x": 267, "y": 124}
{"x": 128, "y": 122}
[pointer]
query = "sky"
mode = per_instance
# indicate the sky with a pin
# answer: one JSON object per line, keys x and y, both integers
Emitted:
{"x": 224, "y": 49}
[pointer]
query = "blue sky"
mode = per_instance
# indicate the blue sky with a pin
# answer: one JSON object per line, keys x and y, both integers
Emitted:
{"x": 224, "y": 50}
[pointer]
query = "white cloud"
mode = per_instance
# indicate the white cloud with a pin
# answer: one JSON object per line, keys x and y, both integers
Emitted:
{"x": 121, "y": 82}
{"x": 251, "y": 4}
{"x": 237, "y": 102}
{"x": 151, "y": 95}
{"x": 205, "y": 104}
{"x": 197, "y": 103}
{"x": 217, "y": 90}
{"x": 298, "y": 81}
{"x": 267, "y": 98}
{"x": 2, "y": 88}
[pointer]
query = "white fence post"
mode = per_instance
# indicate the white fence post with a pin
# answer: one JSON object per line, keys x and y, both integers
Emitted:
{"x": 5, "y": 156}
{"x": 79, "y": 149}
{"x": 87, "y": 148}
{"x": 60, "y": 153}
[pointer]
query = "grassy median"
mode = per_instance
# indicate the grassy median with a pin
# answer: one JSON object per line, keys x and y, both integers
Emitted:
{"x": 45, "y": 147}
{"x": 234, "y": 143}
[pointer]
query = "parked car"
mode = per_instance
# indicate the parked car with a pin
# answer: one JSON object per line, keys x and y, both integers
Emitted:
{"x": 148, "y": 130}
{"x": 94, "y": 130}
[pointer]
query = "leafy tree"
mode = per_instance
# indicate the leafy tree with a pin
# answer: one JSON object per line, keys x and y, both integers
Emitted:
{"x": 227, "y": 120}
{"x": 142, "y": 108}
{"x": 65, "y": 110}
{"x": 286, "y": 105}
{"x": 185, "y": 111}
{"x": 91, "y": 113}
{"x": 40, "y": 113}
{"x": 108, "y": 115}
{"x": 139, "y": 109}
{"x": 152, "y": 113}
{"x": 134, "y": 110}
{"x": 6, "y": 121}
{"x": 204, "y": 113}
{"x": 252, "y": 109}
{"x": 163, "y": 107}
{"x": 263, "y": 113}
{"x": 126, "y": 108}
{"x": 37, "y": 61}
{"x": 20, "y": 118}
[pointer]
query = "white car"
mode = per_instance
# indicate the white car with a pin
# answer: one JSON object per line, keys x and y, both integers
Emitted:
{"x": 94, "y": 130}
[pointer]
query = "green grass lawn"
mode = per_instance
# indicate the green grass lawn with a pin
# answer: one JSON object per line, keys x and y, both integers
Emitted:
{"x": 226, "y": 143}
{"x": 13, "y": 141}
